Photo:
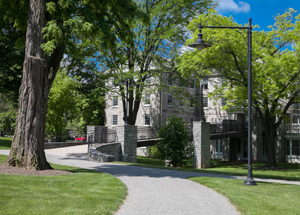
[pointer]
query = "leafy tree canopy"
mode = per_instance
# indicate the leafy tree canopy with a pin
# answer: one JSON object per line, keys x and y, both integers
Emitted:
{"x": 149, "y": 49}
{"x": 275, "y": 68}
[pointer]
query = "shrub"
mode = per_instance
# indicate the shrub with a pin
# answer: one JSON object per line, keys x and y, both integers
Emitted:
{"x": 174, "y": 143}
{"x": 8, "y": 122}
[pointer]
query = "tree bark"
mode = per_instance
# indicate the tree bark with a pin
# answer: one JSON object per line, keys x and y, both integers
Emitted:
{"x": 27, "y": 148}
{"x": 270, "y": 138}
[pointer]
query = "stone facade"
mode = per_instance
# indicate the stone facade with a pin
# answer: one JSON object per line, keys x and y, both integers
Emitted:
{"x": 201, "y": 145}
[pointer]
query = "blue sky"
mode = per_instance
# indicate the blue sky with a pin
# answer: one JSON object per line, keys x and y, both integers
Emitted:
{"x": 262, "y": 12}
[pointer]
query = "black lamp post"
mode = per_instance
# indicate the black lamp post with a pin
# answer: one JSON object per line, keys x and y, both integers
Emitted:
{"x": 200, "y": 44}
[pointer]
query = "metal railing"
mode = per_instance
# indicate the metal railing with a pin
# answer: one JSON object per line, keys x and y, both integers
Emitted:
{"x": 102, "y": 136}
{"x": 293, "y": 128}
{"x": 144, "y": 133}
{"x": 226, "y": 126}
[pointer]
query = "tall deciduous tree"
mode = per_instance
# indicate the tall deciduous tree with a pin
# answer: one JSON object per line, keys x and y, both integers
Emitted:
{"x": 149, "y": 50}
{"x": 275, "y": 68}
{"x": 52, "y": 27}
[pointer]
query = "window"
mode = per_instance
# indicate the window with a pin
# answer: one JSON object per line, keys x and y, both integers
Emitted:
{"x": 293, "y": 147}
{"x": 205, "y": 83}
{"x": 193, "y": 83}
{"x": 192, "y": 103}
{"x": 170, "y": 80}
{"x": 218, "y": 146}
{"x": 147, "y": 99}
{"x": 205, "y": 102}
{"x": 115, "y": 100}
{"x": 147, "y": 119}
{"x": 170, "y": 100}
{"x": 181, "y": 103}
{"x": 114, "y": 119}
{"x": 296, "y": 113}
{"x": 148, "y": 80}
{"x": 223, "y": 102}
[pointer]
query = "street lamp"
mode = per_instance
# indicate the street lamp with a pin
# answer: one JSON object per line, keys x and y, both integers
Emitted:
{"x": 200, "y": 44}
{"x": 202, "y": 115}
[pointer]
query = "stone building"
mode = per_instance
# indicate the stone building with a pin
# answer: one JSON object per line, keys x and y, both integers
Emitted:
{"x": 158, "y": 104}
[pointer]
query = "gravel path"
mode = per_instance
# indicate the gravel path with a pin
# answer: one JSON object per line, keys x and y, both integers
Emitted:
{"x": 151, "y": 191}
{"x": 154, "y": 191}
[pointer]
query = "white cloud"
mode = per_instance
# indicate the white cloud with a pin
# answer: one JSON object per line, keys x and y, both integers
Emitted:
{"x": 232, "y": 6}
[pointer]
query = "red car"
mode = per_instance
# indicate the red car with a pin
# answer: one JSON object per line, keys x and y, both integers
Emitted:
{"x": 80, "y": 138}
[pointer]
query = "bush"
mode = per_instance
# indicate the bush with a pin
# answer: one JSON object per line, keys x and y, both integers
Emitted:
{"x": 174, "y": 143}
{"x": 8, "y": 122}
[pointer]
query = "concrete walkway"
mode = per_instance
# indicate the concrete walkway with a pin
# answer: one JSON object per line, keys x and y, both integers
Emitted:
{"x": 153, "y": 191}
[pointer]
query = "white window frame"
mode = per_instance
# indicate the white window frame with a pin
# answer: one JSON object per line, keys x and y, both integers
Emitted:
{"x": 147, "y": 102}
{"x": 223, "y": 102}
{"x": 115, "y": 101}
{"x": 115, "y": 120}
{"x": 290, "y": 148}
{"x": 205, "y": 83}
{"x": 147, "y": 117}
{"x": 193, "y": 84}
{"x": 218, "y": 148}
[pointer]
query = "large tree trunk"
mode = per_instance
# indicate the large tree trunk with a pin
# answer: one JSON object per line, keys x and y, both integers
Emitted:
{"x": 27, "y": 148}
{"x": 270, "y": 138}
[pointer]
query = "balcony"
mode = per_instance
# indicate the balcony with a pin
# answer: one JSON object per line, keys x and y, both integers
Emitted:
{"x": 293, "y": 128}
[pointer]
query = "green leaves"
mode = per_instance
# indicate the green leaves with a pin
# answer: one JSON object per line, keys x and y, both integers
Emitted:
{"x": 174, "y": 143}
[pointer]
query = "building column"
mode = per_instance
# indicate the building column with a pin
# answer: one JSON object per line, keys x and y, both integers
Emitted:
{"x": 201, "y": 142}
{"x": 127, "y": 136}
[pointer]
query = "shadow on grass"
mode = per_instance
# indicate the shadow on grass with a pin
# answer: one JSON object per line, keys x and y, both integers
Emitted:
{"x": 5, "y": 142}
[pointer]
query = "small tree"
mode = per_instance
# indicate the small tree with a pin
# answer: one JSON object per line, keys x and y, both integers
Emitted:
{"x": 174, "y": 143}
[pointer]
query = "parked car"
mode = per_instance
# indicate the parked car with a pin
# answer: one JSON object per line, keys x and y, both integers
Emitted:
{"x": 80, "y": 138}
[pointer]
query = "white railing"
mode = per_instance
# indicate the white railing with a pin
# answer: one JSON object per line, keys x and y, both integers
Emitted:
{"x": 293, "y": 128}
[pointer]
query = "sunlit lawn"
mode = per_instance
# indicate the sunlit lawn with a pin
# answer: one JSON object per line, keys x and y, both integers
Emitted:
{"x": 288, "y": 171}
{"x": 84, "y": 192}
{"x": 265, "y": 198}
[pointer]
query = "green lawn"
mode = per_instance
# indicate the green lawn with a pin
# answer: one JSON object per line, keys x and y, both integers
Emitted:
{"x": 265, "y": 198}
{"x": 84, "y": 192}
{"x": 289, "y": 171}
{"x": 5, "y": 142}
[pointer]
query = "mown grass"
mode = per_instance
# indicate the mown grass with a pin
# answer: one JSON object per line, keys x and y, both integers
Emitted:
{"x": 83, "y": 192}
{"x": 5, "y": 142}
{"x": 266, "y": 198}
{"x": 287, "y": 171}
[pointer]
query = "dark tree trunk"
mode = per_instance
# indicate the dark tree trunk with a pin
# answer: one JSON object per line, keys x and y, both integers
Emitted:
{"x": 270, "y": 138}
{"x": 27, "y": 148}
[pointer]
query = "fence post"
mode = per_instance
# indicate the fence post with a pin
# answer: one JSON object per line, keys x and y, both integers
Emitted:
{"x": 127, "y": 136}
{"x": 201, "y": 142}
